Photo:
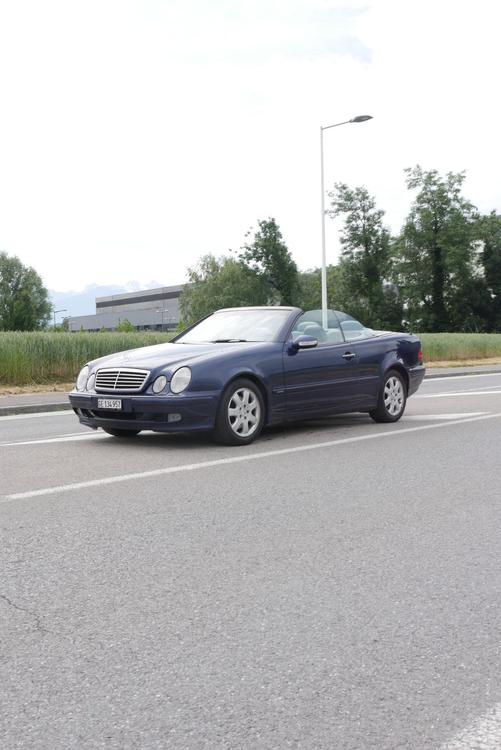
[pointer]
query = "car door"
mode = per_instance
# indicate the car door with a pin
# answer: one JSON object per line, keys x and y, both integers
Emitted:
{"x": 370, "y": 351}
{"x": 322, "y": 379}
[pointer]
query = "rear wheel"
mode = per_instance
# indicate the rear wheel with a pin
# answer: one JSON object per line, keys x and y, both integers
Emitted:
{"x": 121, "y": 433}
{"x": 392, "y": 398}
{"x": 240, "y": 416}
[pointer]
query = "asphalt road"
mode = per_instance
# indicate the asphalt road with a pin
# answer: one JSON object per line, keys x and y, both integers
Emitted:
{"x": 335, "y": 585}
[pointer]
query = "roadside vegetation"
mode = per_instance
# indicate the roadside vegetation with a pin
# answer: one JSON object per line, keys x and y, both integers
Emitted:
{"x": 460, "y": 347}
{"x": 44, "y": 358}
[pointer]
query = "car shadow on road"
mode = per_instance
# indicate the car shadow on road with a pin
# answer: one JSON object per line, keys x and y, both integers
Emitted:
{"x": 185, "y": 441}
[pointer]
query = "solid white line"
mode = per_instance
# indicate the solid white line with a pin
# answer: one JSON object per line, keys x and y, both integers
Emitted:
{"x": 484, "y": 733}
{"x": 424, "y": 417}
{"x": 428, "y": 381}
{"x": 234, "y": 459}
{"x": 60, "y": 413}
{"x": 58, "y": 439}
{"x": 457, "y": 393}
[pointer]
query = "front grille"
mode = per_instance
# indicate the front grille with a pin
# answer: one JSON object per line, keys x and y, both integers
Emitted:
{"x": 125, "y": 379}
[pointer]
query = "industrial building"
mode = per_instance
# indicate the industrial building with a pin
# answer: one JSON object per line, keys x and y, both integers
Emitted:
{"x": 149, "y": 310}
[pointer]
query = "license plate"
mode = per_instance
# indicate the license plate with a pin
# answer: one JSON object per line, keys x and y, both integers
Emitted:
{"x": 109, "y": 403}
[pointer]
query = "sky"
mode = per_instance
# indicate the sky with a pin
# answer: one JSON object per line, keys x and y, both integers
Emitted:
{"x": 138, "y": 135}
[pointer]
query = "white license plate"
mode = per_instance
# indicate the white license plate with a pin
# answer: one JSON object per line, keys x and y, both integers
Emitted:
{"x": 109, "y": 403}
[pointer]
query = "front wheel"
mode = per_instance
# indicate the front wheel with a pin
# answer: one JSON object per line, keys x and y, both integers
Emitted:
{"x": 392, "y": 398}
{"x": 121, "y": 433}
{"x": 240, "y": 416}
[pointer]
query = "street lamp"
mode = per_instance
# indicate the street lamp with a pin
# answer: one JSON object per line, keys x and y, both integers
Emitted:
{"x": 58, "y": 311}
{"x": 162, "y": 310}
{"x": 359, "y": 118}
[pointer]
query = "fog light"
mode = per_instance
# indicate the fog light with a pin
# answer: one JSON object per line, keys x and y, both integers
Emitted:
{"x": 174, "y": 418}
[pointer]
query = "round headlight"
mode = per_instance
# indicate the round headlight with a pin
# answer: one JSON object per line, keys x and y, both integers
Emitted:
{"x": 91, "y": 381}
{"x": 159, "y": 384}
{"x": 180, "y": 380}
{"x": 82, "y": 378}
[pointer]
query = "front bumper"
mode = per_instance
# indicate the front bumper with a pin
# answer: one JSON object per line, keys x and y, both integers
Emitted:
{"x": 416, "y": 375}
{"x": 167, "y": 413}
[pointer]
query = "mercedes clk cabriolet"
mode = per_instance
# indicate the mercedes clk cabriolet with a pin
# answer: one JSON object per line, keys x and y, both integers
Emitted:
{"x": 240, "y": 369}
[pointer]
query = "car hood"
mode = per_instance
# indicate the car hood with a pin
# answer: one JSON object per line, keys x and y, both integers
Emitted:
{"x": 166, "y": 356}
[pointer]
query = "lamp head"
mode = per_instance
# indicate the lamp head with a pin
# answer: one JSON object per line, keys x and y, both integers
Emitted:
{"x": 361, "y": 118}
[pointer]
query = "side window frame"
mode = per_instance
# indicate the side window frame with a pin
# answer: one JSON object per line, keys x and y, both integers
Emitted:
{"x": 321, "y": 344}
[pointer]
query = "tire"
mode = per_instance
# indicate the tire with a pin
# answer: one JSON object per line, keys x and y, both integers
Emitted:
{"x": 121, "y": 433}
{"x": 241, "y": 413}
{"x": 392, "y": 398}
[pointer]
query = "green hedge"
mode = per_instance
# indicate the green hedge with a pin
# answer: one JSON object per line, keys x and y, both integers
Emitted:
{"x": 41, "y": 357}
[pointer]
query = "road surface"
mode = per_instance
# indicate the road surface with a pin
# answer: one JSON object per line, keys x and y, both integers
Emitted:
{"x": 335, "y": 585}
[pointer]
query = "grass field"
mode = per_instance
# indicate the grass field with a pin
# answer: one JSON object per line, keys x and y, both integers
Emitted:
{"x": 40, "y": 357}
{"x": 455, "y": 347}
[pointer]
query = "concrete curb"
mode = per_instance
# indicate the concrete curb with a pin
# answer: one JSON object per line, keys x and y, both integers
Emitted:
{"x": 65, "y": 405}
{"x": 33, "y": 408}
{"x": 462, "y": 371}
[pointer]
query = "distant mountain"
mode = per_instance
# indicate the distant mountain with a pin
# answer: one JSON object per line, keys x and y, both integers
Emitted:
{"x": 84, "y": 302}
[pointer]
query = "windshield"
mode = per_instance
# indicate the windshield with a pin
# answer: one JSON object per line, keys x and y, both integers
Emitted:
{"x": 233, "y": 326}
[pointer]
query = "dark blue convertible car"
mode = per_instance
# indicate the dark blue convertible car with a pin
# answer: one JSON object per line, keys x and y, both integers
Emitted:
{"x": 243, "y": 368}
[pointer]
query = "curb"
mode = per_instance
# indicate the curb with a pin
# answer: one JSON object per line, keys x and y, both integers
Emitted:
{"x": 435, "y": 373}
{"x": 6, "y": 411}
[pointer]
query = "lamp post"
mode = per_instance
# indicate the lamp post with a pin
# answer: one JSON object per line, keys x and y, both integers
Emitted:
{"x": 58, "y": 311}
{"x": 163, "y": 310}
{"x": 359, "y": 118}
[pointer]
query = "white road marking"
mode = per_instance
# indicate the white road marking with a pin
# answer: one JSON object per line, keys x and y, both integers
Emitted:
{"x": 482, "y": 734}
{"x": 424, "y": 417}
{"x": 60, "y": 413}
{"x": 428, "y": 381}
{"x": 456, "y": 393}
{"x": 58, "y": 439}
{"x": 234, "y": 460}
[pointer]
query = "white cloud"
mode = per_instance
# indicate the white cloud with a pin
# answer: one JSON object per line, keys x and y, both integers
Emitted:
{"x": 136, "y": 136}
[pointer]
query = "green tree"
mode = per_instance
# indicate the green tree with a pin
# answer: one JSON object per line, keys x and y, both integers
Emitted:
{"x": 309, "y": 295}
{"x": 24, "y": 301}
{"x": 438, "y": 263}
{"x": 489, "y": 233}
{"x": 365, "y": 269}
{"x": 125, "y": 326}
{"x": 220, "y": 282}
{"x": 268, "y": 255}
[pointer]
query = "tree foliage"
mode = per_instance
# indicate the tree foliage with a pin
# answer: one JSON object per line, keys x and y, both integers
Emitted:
{"x": 364, "y": 288}
{"x": 125, "y": 326}
{"x": 220, "y": 282}
{"x": 24, "y": 301}
{"x": 438, "y": 270}
{"x": 489, "y": 233}
{"x": 268, "y": 255}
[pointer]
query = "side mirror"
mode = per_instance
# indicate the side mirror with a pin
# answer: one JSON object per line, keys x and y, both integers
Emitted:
{"x": 304, "y": 342}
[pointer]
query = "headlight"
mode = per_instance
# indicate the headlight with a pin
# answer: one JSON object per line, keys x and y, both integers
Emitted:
{"x": 159, "y": 384}
{"x": 180, "y": 380}
{"x": 91, "y": 381}
{"x": 82, "y": 378}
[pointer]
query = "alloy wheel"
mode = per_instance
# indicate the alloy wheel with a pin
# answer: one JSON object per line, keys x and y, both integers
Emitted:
{"x": 244, "y": 412}
{"x": 394, "y": 396}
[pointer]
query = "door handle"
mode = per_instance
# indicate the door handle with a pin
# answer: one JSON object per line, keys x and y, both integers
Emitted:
{"x": 349, "y": 355}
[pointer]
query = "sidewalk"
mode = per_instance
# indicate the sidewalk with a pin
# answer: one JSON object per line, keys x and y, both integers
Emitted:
{"x": 33, "y": 403}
